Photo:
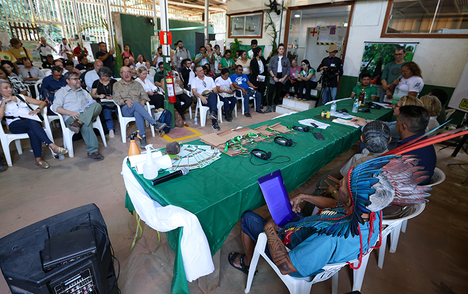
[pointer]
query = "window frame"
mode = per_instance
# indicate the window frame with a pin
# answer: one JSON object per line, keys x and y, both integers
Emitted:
{"x": 384, "y": 33}
{"x": 259, "y": 12}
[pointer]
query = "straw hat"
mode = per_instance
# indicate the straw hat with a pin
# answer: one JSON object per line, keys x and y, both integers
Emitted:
{"x": 333, "y": 48}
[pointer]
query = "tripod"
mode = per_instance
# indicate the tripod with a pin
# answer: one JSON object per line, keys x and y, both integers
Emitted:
{"x": 325, "y": 92}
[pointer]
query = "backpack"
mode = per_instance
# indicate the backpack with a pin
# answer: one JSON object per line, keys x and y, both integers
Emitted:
{"x": 166, "y": 117}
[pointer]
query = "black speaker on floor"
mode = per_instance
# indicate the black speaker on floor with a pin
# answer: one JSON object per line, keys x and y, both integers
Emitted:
{"x": 66, "y": 253}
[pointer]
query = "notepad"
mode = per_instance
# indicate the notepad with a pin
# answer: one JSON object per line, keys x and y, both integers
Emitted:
{"x": 276, "y": 197}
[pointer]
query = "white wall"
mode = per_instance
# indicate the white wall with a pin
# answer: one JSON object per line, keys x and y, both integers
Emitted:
{"x": 441, "y": 60}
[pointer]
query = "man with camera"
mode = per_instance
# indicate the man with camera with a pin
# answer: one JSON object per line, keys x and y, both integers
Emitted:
{"x": 332, "y": 68}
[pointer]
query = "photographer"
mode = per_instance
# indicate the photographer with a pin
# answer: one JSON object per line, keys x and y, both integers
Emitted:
{"x": 45, "y": 49}
{"x": 332, "y": 68}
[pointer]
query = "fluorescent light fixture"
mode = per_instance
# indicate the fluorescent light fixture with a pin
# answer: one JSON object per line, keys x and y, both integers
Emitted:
{"x": 297, "y": 15}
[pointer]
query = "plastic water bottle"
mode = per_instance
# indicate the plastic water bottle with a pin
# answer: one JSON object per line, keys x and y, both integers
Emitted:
{"x": 333, "y": 108}
{"x": 355, "y": 106}
{"x": 195, "y": 121}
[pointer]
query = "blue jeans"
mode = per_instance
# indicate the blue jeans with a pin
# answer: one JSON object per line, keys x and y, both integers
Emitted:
{"x": 212, "y": 103}
{"x": 35, "y": 132}
{"x": 229, "y": 103}
{"x": 257, "y": 96}
{"x": 140, "y": 113}
{"x": 107, "y": 114}
{"x": 328, "y": 94}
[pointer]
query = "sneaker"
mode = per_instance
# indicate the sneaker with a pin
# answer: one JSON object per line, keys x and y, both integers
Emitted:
{"x": 159, "y": 126}
{"x": 216, "y": 126}
{"x": 143, "y": 142}
{"x": 247, "y": 114}
{"x": 96, "y": 156}
{"x": 229, "y": 116}
{"x": 75, "y": 126}
{"x": 273, "y": 108}
{"x": 212, "y": 115}
{"x": 268, "y": 109}
{"x": 111, "y": 134}
{"x": 286, "y": 96}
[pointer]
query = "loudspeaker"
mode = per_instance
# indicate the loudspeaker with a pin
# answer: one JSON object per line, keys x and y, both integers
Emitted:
{"x": 66, "y": 253}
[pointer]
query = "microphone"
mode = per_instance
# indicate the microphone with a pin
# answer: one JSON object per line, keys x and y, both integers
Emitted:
{"x": 182, "y": 172}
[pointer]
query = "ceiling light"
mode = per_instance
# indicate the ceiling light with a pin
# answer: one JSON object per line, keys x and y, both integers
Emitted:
{"x": 224, "y": 1}
{"x": 297, "y": 15}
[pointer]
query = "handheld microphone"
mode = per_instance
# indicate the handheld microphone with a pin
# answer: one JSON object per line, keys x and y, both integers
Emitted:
{"x": 182, "y": 172}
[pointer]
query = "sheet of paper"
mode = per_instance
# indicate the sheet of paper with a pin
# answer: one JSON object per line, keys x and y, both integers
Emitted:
{"x": 337, "y": 100}
{"x": 386, "y": 105}
{"x": 345, "y": 122}
{"x": 309, "y": 122}
{"x": 343, "y": 115}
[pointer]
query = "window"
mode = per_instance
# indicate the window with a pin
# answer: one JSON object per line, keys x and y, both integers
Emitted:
{"x": 426, "y": 18}
{"x": 246, "y": 26}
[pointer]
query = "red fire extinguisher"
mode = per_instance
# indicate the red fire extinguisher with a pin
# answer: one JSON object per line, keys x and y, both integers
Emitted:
{"x": 170, "y": 88}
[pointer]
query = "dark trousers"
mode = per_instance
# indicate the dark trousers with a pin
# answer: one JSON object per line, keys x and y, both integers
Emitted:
{"x": 229, "y": 103}
{"x": 275, "y": 89}
{"x": 35, "y": 132}
{"x": 261, "y": 89}
{"x": 182, "y": 108}
{"x": 212, "y": 103}
{"x": 308, "y": 85}
{"x": 157, "y": 100}
{"x": 290, "y": 84}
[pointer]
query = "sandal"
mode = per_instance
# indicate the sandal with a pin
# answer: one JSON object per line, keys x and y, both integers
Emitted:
{"x": 43, "y": 164}
{"x": 244, "y": 268}
{"x": 61, "y": 150}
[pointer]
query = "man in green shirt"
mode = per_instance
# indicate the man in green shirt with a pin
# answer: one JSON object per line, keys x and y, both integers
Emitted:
{"x": 371, "y": 91}
{"x": 392, "y": 71}
{"x": 159, "y": 75}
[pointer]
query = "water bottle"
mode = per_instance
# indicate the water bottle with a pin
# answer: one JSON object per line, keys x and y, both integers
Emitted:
{"x": 333, "y": 108}
{"x": 355, "y": 105}
{"x": 195, "y": 121}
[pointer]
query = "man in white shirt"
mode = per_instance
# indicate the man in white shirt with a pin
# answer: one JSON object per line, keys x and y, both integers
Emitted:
{"x": 92, "y": 75}
{"x": 204, "y": 88}
{"x": 64, "y": 47}
{"x": 45, "y": 49}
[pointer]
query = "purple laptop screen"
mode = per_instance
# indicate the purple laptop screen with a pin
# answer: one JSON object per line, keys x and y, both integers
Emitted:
{"x": 276, "y": 197}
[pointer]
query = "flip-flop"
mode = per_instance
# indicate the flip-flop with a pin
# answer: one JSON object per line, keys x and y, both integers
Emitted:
{"x": 244, "y": 268}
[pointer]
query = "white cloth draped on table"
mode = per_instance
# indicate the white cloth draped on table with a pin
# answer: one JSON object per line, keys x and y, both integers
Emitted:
{"x": 195, "y": 249}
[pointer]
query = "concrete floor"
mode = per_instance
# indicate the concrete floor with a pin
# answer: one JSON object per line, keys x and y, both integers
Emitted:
{"x": 431, "y": 255}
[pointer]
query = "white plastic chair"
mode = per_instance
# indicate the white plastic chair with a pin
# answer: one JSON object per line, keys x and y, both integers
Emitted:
{"x": 37, "y": 86}
{"x": 393, "y": 229}
{"x": 124, "y": 121}
{"x": 68, "y": 135}
{"x": 204, "y": 110}
{"x": 7, "y": 138}
{"x": 294, "y": 285}
{"x": 238, "y": 95}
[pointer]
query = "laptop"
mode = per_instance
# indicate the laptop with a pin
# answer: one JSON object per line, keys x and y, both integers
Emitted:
{"x": 276, "y": 197}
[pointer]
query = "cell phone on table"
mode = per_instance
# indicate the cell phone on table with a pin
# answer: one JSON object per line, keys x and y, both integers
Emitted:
{"x": 319, "y": 136}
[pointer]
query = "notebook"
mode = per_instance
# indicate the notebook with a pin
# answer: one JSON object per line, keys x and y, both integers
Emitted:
{"x": 276, "y": 197}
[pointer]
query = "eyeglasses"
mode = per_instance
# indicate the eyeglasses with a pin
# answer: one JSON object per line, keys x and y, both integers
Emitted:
{"x": 74, "y": 78}
{"x": 125, "y": 72}
{"x": 204, "y": 84}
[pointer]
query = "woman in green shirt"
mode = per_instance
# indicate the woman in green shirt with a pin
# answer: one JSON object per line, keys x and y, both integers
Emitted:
{"x": 306, "y": 79}
{"x": 227, "y": 62}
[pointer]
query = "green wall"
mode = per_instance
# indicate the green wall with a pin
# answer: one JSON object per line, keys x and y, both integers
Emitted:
{"x": 349, "y": 82}
{"x": 137, "y": 32}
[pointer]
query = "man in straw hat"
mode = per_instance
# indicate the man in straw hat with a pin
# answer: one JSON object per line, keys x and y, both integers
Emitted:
{"x": 331, "y": 68}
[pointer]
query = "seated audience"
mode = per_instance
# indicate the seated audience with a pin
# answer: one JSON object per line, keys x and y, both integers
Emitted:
{"x": 306, "y": 79}
{"x": 292, "y": 81}
{"x": 211, "y": 54}
{"x": 50, "y": 85}
{"x": 366, "y": 87}
{"x": 30, "y": 75}
{"x": 433, "y": 106}
{"x": 92, "y": 75}
{"x": 131, "y": 96}
{"x": 227, "y": 62}
{"x": 6, "y": 55}
{"x": 241, "y": 83}
{"x": 204, "y": 88}
{"x": 69, "y": 66}
{"x": 443, "y": 97}
{"x": 187, "y": 73}
{"x": 226, "y": 92}
{"x": 103, "y": 89}
{"x": 131, "y": 61}
{"x": 244, "y": 62}
{"x": 151, "y": 71}
{"x": 158, "y": 57}
{"x": 202, "y": 58}
{"x": 59, "y": 63}
{"x": 180, "y": 96}
{"x": 208, "y": 71}
{"x": 217, "y": 59}
{"x": 21, "y": 119}
{"x": 159, "y": 75}
{"x": 404, "y": 101}
{"x": 19, "y": 52}
{"x": 134, "y": 72}
{"x": 411, "y": 84}
{"x": 14, "y": 78}
{"x": 79, "y": 111}
{"x": 141, "y": 61}
{"x": 82, "y": 65}
{"x": 49, "y": 62}
{"x": 3, "y": 76}
{"x": 154, "y": 98}
{"x": 80, "y": 51}
{"x": 89, "y": 67}
{"x": 71, "y": 58}
{"x": 126, "y": 62}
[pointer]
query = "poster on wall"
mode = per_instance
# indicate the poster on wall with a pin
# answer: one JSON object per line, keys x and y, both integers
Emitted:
{"x": 377, "y": 55}
{"x": 331, "y": 35}
{"x": 459, "y": 98}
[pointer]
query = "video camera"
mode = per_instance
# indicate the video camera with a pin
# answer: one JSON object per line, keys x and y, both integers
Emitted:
{"x": 328, "y": 74}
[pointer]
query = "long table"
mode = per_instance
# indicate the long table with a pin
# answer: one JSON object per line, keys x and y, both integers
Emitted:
{"x": 220, "y": 193}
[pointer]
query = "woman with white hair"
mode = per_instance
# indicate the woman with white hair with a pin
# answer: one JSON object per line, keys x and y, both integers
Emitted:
{"x": 154, "y": 98}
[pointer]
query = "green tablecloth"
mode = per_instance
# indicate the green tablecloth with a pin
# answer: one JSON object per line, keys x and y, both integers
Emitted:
{"x": 220, "y": 193}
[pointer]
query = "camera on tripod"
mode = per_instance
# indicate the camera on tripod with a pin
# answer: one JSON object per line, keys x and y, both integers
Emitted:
{"x": 328, "y": 74}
